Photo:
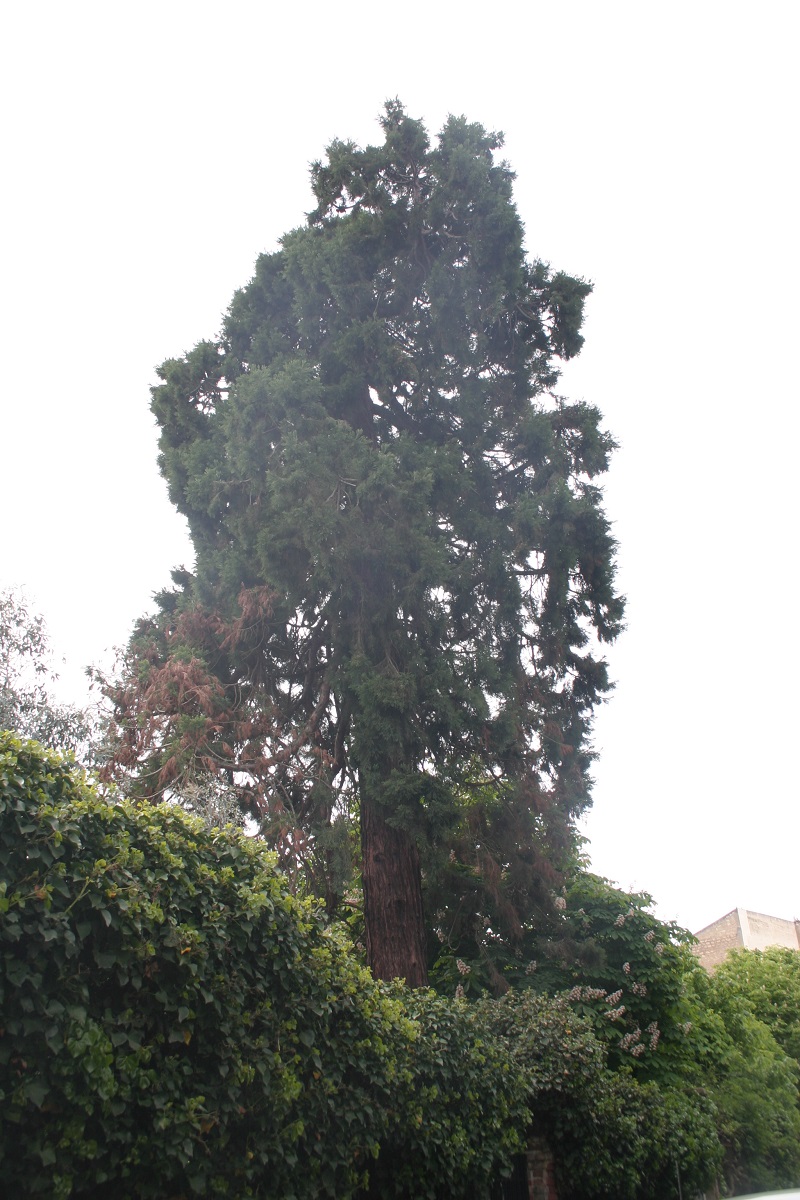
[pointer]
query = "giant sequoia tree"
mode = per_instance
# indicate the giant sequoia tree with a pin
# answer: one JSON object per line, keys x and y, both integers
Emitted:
{"x": 403, "y": 570}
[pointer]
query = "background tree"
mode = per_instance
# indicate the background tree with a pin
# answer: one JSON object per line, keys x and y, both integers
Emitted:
{"x": 402, "y": 562}
{"x": 26, "y": 704}
{"x": 752, "y": 1081}
{"x": 769, "y": 980}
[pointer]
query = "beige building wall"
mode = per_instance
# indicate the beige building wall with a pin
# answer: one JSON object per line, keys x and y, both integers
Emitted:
{"x": 771, "y": 931}
{"x": 741, "y": 928}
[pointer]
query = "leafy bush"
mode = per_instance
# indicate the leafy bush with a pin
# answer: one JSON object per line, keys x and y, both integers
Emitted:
{"x": 174, "y": 1021}
{"x": 752, "y": 1081}
{"x": 769, "y": 980}
{"x": 461, "y": 1107}
{"x": 622, "y": 968}
{"x": 613, "y": 1137}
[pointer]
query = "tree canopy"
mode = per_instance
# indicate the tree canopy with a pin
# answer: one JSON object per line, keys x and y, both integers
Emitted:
{"x": 403, "y": 570}
{"x": 770, "y": 982}
{"x": 26, "y": 704}
{"x": 740, "y": 1057}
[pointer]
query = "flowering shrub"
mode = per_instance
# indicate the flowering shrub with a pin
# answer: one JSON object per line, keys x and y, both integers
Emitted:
{"x": 623, "y": 971}
{"x": 613, "y": 1137}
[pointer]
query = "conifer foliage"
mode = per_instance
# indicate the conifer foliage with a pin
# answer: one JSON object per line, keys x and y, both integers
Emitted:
{"x": 403, "y": 570}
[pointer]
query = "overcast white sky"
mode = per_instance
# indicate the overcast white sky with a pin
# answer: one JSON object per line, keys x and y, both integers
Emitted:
{"x": 150, "y": 151}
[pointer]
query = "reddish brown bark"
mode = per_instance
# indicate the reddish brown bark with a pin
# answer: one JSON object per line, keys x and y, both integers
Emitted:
{"x": 395, "y": 926}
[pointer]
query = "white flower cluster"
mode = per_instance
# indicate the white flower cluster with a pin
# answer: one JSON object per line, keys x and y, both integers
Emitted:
{"x": 620, "y": 921}
{"x": 626, "y": 967}
{"x": 616, "y": 1013}
{"x": 531, "y": 967}
{"x": 655, "y": 1034}
{"x": 614, "y": 998}
{"x": 463, "y": 968}
{"x": 560, "y": 903}
{"x": 639, "y": 989}
{"x": 630, "y": 1039}
{"x": 587, "y": 993}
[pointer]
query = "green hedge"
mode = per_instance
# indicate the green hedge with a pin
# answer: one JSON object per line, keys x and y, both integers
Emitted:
{"x": 462, "y": 1107}
{"x": 176, "y": 1023}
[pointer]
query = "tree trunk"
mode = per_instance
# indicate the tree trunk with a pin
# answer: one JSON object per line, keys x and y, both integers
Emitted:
{"x": 393, "y": 915}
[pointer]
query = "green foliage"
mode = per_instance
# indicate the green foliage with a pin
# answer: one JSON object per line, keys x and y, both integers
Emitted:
{"x": 489, "y": 889}
{"x": 463, "y": 1107}
{"x": 623, "y": 969}
{"x": 633, "y": 1141}
{"x": 26, "y": 706}
{"x": 769, "y": 980}
{"x": 664, "y": 1019}
{"x": 699, "y": 1069}
{"x": 208, "y": 797}
{"x": 695, "y": 1078}
{"x": 753, "y": 1083}
{"x": 176, "y": 1023}
{"x": 612, "y": 1136}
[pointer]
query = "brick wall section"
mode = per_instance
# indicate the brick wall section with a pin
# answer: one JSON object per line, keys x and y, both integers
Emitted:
{"x": 541, "y": 1171}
